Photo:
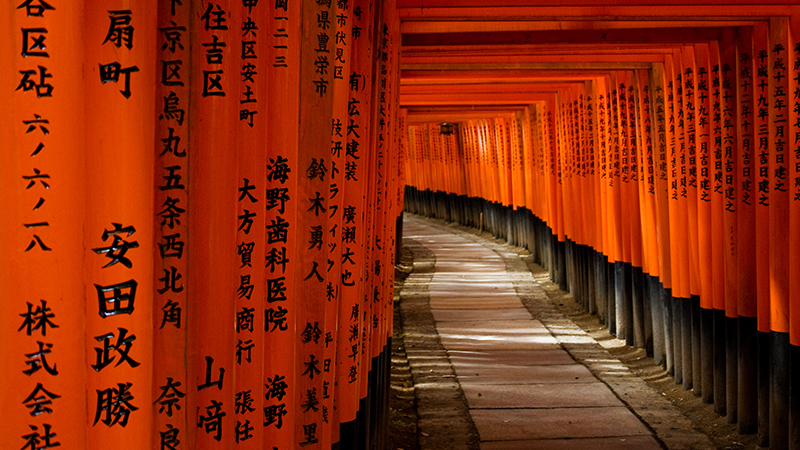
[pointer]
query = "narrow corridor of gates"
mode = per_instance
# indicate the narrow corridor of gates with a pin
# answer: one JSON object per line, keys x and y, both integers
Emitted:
{"x": 496, "y": 366}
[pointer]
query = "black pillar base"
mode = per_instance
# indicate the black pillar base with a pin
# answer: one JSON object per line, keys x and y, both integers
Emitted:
{"x": 687, "y": 311}
{"x": 720, "y": 386}
{"x": 697, "y": 372}
{"x": 794, "y": 399}
{"x": 348, "y": 434}
{"x": 601, "y": 287}
{"x": 764, "y": 350}
{"x": 657, "y": 314}
{"x": 637, "y": 303}
{"x": 747, "y": 411}
{"x": 732, "y": 367}
{"x": 611, "y": 295}
{"x": 677, "y": 338}
{"x": 619, "y": 299}
{"x": 627, "y": 303}
{"x": 665, "y": 295}
{"x": 779, "y": 388}
{"x": 707, "y": 350}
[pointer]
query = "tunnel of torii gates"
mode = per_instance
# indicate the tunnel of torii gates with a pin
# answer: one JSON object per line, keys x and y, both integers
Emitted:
{"x": 200, "y": 201}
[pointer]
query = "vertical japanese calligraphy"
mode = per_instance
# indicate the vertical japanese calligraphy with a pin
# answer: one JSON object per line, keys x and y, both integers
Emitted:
{"x": 251, "y": 232}
{"x": 174, "y": 419}
{"x": 173, "y": 202}
{"x": 119, "y": 230}
{"x": 43, "y": 208}
{"x": 213, "y": 187}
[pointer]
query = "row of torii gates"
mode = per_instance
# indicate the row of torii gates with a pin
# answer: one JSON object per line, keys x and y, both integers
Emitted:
{"x": 200, "y": 201}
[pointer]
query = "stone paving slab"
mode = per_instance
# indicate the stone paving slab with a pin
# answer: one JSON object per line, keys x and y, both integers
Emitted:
{"x": 593, "y": 394}
{"x": 510, "y": 357}
{"x": 461, "y": 287}
{"x": 454, "y": 342}
{"x": 494, "y": 327}
{"x": 555, "y": 423}
{"x": 485, "y": 267}
{"x": 475, "y": 303}
{"x": 469, "y": 315}
{"x": 472, "y": 294}
{"x": 612, "y": 443}
{"x": 467, "y": 277}
{"x": 481, "y": 374}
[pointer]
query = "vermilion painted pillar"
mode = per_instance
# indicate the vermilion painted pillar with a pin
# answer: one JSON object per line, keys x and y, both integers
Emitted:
{"x": 662, "y": 188}
{"x": 554, "y": 212}
{"x": 316, "y": 100}
{"x": 779, "y": 187}
{"x": 687, "y": 206}
{"x": 354, "y": 227}
{"x": 591, "y": 216}
{"x": 42, "y": 205}
{"x": 680, "y": 283}
{"x": 718, "y": 323}
{"x": 119, "y": 235}
{"x": 213, "y": 221}
{"x": 377, "y": 199}
{"x": 250, "y": 251}
{"x": 566, "y": 160}
{"x": 794, "y": 237}
{"x": 603, "y": 171}
{"x": 339, "y": 65}
{"x": 174, "y": 421}
{"x": 706, "y": 150}
{"x": 283, "y": 202}
{"x": 649, "y": 163}
{"x": 690, "y": 142}
{"x": 618, "y": 210}
{"x": 761, "y": 201}
{"x": 634, "y": 161}
{"x": 625, "y": 314}
{"x": 725, "y": 272}
{"x": 518, "y": 161}
{"x": 745, "y": 235}
{"x": 343, "y": 110}
{"x": 404, "y": 156}
{"x": 387, "y": 122}
{"x": 489, "y": 129}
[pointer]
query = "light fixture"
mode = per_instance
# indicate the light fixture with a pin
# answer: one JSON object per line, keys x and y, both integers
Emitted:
{"x": 446, "y": 128}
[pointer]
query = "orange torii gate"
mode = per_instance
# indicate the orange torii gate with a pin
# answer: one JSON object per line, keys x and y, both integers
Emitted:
{"x": 159, "y": 152}
{"x": 684, "y": 163}
{"x": 200, "y": 201}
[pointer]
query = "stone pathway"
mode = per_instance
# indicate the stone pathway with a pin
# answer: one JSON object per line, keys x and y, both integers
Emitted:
{"x": 497, "y": 377}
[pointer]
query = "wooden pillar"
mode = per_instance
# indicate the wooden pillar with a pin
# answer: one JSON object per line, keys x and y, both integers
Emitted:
{"x": 793, "y": 148}
{"x": 251, "y": 233}
{"x": 662, "y": 190}
{"x": 214, "y": 220}
{"x": 283, "y": 203}
{"x": 43, "y": 209}
{"x": 118, "y": 239}
{"x": 354, "y": 229}
{"x": 707, "y": 204}
{"x": 339, "y": 66}
{"x": 779, "y": 109}
{"x": 762, "y": 241}
{"x": 174, "y": 421}
{"x": 677, "y": 238}
{"x": 745, "y": 235}
{"x": 725, "y": 219}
